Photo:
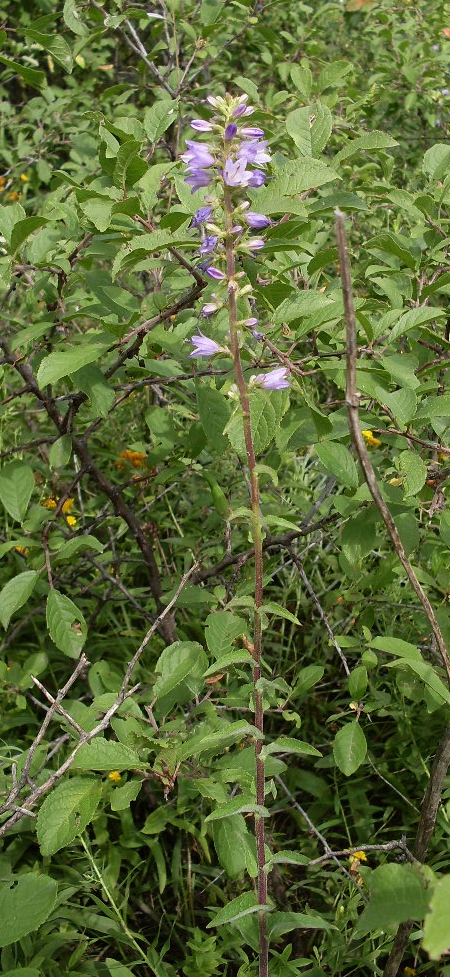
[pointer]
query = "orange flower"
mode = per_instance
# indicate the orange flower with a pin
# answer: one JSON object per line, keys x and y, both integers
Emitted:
{"x": 135, "y": 458}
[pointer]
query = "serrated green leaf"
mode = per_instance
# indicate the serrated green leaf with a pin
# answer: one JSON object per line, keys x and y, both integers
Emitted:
{"x": 229, "y": 841}
{"x": 16, "y": 593}
{"x": 221, "y": 629}
{"x": 66, "y": 812}
{"x": 299, "y": 128}
{"x": 62, "y": 364}
{"x": 36, "y": 79}
{"x": 72, "y": 19}
{"x": 26, "y": 901}
{"x": 175, "y": 664}
{"x": 60, "y": 452}
{"x": 214, "y": 412}
{"x": 16, "y": 488}
{"x": 216, "y": 740}
{"x": 159, "y": 117}
{"x": 238, "y": 657}
{"x": 349, "y": 748}
{"x": 413, "y": 318}
{"x": 321, "y": 128}
{"x": 402, "y": 404}
{"x": 66, "y": 624}
{"x": 103, "y": 754}
{"x": 23, "y": 229}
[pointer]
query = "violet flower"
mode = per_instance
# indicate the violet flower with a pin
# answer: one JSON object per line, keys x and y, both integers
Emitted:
{"x": 197, "y": 179}
{"x": 209, "y": 309}
{"x": 235, "y": 173}
{"x": 198, "y": 155}
{"x": 255, "y": 243}
{"x": 258, "y": 221}
{"x": 208, "y": 244}
{"x": 201, "y": 125}
{"x": 257, "y": 178}
{"x": 215, "y": 273}
{"x": 254, "y": 152}
{"x": 201, "y": 215}
{"x": 204, "y": 346}
{"x": 230, "y": 131}
{"x": 274, "y": 380}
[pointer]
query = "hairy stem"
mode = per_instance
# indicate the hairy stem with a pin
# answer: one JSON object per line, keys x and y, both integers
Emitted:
{"x": 258, "y": 558}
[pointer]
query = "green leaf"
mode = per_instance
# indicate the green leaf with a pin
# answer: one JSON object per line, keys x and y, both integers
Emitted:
{"x": 367, "y": 143}
{"x": 238, "y": 657}
{"x": 103, "y": 754}
{"x": 66, "y": 624}
{"x": 397, "y": 893}
{"x": 98, "y": 210}
{"x": 281, "y": 923}
{"x": 159, "y": 117}
{"x": 216, "y": 741}
{"x": 300, "y": 305}
{"x": 66, "y": 812}
{"x": 221, "y": 629}
{"x": 299, "y": 128}
{"x": 266, "y": 412}
{"x": 415, "y": 317}
{"x": 349, "y": 748}
{"x": 72, "y": 19}
{"x": 415, "y": 470}
{"x": 26, "y": 901}
{"x": 71, "y": 546}
{"x": 16, "y": 488}
{"x": 239, "y": 805}
{"x": 270, "y": 607}
{"x": 58, "y": 365}
{"x": 286, "y": 744}
{"x": 214, "y": 412}
{"x": 338, "y": 461}
{"x": 150, "y": 183}
{"x": 23, "y": 229}
{"x": 33, "y": 78}
{"x": 129, "y": 166}
{"x": 357, "y": 682}
{"x": 91, "y": 381}
{"x": 60, "y": 452}
{"x": 175, "y": 664}
{"x": 321, "y": 128}
{"x": 230, "y": 837}
{"x": 402, "y": 404}
{"x": 436, "y": 928}
{"x": 16, "y": 593}
{"x": 56, "y": 46}
{"x": 244, "y": 905}
{"x": 436, "y": 162}
{"x": 396, "y": 646}
{"x": 122, "y": 797}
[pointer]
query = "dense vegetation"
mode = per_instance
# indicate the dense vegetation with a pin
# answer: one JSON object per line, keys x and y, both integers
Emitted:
{"x": 215, "y": 552}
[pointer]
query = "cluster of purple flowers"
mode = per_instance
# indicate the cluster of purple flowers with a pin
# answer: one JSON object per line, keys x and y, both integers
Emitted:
{"x": 234, "y": 157}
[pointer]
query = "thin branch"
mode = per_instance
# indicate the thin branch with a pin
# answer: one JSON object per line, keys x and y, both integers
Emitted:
{"x": 352, "y": 400}
{"x": 319, "y": 608}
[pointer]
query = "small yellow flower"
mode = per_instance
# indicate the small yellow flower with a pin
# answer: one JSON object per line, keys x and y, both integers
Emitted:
{"x": 395, "y": 481}
{"x": 49, "y": 503}
{"x": 409, "y": 971}
{"x": 359, "y": 855}
{"x": 370, "y": 439}
{"x": 67, "y": 506}
{"x": 24, "y": 178}
{"x": 71, "y": 521}
{"x": 115, "y": 776}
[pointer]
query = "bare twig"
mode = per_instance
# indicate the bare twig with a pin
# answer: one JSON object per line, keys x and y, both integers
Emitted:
{"x": 319, "y": 608}
{"x": 352, "y": 399}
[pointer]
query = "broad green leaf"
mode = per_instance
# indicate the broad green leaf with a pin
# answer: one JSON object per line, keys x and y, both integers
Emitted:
{"x": 402, "y": 404}
{"x": 286, "y": 744}
{"x": 16, "y": 593}
{"x": 426, "y": 672}
{"x": 56, "y": 46}
{"x": 321, "y": 128}
{"x": 436, "y": 162}
{"x": 413, "y": 318}
{"x": 150, "y": 183}
{"x": 129, "y": 167}
{"x": 301, "y": 304}
{"x": 307, "y": 677}
{"x": 367, "y": 143}
{"x": 349, "y": 748}
{"x": 103, "y": 754}
{"x": 397, "y": 893}
{"x": 337, "y": 460}
{"x": 117, "y": 969}
{"x": 244, "y": 905}
{"x": 71, "y": 546}
{"x": 239, "y": 805}
{"x": 436, "y": 928}
{"x": 63, "y": 364}
{"x": 221, "y": 629}
{"x": 357, "y": 682}
{"x": 359, "y": 535}
{"x": 266, "y": 411}
{"x": 16, "y": 488}
{"x": 412, "y": 466}
{"x": 98, "y": 210}
{"x": 66, "y": 812}
{"x": 33, "y": 78}
{"x": 396, "y": 646}
{"x": 296, "y": 176}
{"x": 229, "y": 841}
{"x": 270, "y": 607}
{"x": 66, "y": 624}
{"x": 26, "y": 901}
{"x": 174, "y": 665}
{"x": 286, "y": 858}
{"x": 159, "y": 117}
{"x": 122, "y": 797}
{"x": 214, "y": 412}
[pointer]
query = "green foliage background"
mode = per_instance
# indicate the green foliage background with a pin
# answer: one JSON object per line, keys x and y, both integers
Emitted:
{"x": 122, "y": 466}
